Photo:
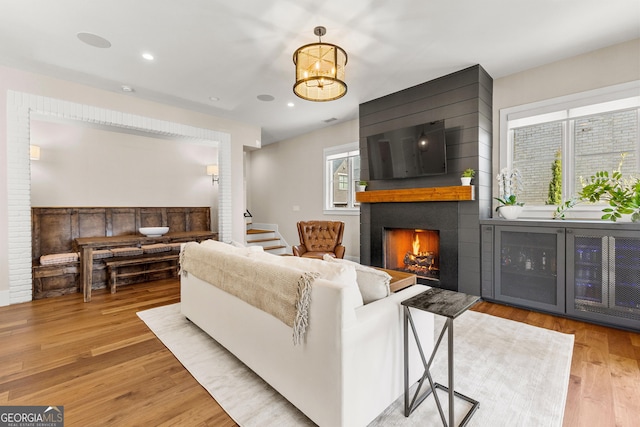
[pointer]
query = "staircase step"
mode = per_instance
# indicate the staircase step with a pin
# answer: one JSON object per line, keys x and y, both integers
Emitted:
{"x": 272, "y": 239}
{"x": 271, "y": 248}
{"x": 258, "y": 231}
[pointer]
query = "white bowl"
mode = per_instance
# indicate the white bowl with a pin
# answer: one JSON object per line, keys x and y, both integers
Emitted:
{"x": 153, "y": 231}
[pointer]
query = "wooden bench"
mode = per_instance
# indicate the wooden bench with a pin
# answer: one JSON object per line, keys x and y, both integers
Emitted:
{"x": 57, "y": 230}
{"x": 146, "y": 261}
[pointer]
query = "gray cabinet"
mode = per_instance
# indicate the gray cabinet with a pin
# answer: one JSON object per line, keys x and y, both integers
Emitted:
{"x": 585, "y": 270}
{"x": 603, "y": 276}
{"x": 529, "y": 267}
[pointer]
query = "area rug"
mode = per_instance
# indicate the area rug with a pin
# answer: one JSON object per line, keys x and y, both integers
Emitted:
{"x": 518, "y": 372}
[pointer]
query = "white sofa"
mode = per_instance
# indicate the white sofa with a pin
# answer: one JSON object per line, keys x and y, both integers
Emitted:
{"x": 348, "y": 369}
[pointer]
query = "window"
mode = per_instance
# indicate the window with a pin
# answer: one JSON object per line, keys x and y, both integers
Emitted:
{"x": 584, "y": 133}
{"x": 342, "y": 173}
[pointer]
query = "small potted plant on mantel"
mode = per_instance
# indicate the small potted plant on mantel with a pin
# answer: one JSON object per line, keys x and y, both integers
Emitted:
{"x": 622, "y": 195}
{"x": 361, "y": 185}
{"x": 510, "y": 183}
{"x": 467, "y": 176}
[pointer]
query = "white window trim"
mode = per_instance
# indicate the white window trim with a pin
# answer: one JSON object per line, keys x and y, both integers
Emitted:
{"x": 327, "y": 153}
{"x": 537, "y": 111}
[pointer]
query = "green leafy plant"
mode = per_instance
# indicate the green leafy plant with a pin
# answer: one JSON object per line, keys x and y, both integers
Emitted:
{"x": 508, "y": 201}
{"x": 621, "y": 195}
{"x": 555, "y": 185}
{"x": 362, "y": 183}
{"x": 468, "y": 173}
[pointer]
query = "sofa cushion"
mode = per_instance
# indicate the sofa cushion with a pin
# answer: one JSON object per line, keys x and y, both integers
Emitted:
{"x": 102, "y": 254}
{"x": 155, "y": 248}
{"x": 373, "y": 284}
{"x": 52, "y": 259}
{"x": 338, "y": 273}
{"x": 129, "y": 251}
{"x": 331, "y": 272}
{"x": 249, "y": 248}
{"x": 232, "y": 248}
{"x": 175, "y": 246}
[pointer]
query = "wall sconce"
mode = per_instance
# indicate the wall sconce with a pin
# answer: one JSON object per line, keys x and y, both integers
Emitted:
{"x": 34, "y": 152}
{"x": 212, "y": 170}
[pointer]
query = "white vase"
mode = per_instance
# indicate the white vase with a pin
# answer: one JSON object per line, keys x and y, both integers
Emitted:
{"x": 510, "y": 211}
{"x": 466, "y": 180}
{"x": 361, "y": 187}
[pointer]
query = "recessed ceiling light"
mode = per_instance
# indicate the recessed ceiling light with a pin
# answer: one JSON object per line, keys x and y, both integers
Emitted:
{"x": 214, "y": 99}
{"x": 126, "y": 88}
{"x": 147, "y": 56}
{"x": 290, "y": 104}
{"x": 266, "y": 98}
{"x": 94, "y": 40}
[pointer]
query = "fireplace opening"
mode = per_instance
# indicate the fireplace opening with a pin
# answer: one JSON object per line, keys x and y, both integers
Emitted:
{"x": 414, "y": 251}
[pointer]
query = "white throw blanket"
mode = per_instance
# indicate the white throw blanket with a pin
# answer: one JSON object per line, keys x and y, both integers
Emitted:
{"x": 283, "y": 292}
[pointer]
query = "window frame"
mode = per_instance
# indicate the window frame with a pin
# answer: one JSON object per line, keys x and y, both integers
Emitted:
{"x": 351, "y": 149}
{"x": 563, "y": 108}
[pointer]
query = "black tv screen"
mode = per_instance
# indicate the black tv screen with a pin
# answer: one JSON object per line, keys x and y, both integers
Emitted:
{"x": 409, "y": 152}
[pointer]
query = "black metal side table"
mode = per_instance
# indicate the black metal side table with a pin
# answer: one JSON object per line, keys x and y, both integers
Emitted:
{"x": 445, "y": 303}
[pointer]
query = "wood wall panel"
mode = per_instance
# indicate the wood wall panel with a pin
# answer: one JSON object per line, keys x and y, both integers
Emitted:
{"x": 91, "y": 223}
{"x": 152, "y": 217}
{"x": 51, "y": 225}
{"x": 123, "y": 221}
{"x": 176, "y": 221}
{"x": 54, "y": 229}
{"x": 199, "y": 219}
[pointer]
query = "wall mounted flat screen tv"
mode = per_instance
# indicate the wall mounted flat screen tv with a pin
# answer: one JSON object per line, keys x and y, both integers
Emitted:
{"x": 409, "y": 152}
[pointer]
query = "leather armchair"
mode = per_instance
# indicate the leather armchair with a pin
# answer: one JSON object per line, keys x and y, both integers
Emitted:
{"x": 318, "y": 238}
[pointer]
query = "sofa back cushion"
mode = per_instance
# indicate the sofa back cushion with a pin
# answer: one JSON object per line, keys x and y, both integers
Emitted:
{"x": 231, "y": 248}
{"x": 373, "y": 284}
{"x": 337, "y": 273}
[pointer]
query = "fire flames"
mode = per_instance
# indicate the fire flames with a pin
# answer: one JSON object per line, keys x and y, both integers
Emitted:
{"x": 420, "y": 262}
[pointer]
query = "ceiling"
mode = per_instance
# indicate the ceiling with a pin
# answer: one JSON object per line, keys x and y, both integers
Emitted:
{"x": 235, "y": 51}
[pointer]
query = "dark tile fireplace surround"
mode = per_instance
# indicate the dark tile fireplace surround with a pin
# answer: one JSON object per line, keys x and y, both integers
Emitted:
{"x": 441, "y": 216}
{"x": 464, "y": 100}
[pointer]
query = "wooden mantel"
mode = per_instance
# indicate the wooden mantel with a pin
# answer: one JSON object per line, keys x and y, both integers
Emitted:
{"x": 431, "y": 194}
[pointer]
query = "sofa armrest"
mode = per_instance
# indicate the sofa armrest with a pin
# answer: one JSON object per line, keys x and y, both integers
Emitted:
{"x": 373, "y": 353}
{"x": 298, "y": 250}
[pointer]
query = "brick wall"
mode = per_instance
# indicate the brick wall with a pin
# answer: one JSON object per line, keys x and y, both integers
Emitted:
{"x": 599, "y": 142}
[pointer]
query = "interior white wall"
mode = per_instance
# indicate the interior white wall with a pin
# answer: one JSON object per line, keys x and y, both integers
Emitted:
{"x": 85, "y": 166}
{"x": 601, "y": 68}
{"x": 241, "y": 134}
{"x": 289, "y": 174}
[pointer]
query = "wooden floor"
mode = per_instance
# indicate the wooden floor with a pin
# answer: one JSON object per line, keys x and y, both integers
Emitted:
{"x": 102, "y": 363}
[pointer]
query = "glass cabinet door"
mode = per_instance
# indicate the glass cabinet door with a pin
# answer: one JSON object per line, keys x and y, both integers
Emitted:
{"x": 626, "y": 280}
{"x": 590, "y": 273}
{"x": 603, "y": 276}
{"x": 529, "y": 265}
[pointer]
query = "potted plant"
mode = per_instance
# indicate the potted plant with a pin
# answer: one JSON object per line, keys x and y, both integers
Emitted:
{"x": 467, "y": 176}
{"x": 361, "y": 185}
{"x": 510, "y": 186}
{"x": 622, "y": 195}
{"x": 555, "y": 185}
